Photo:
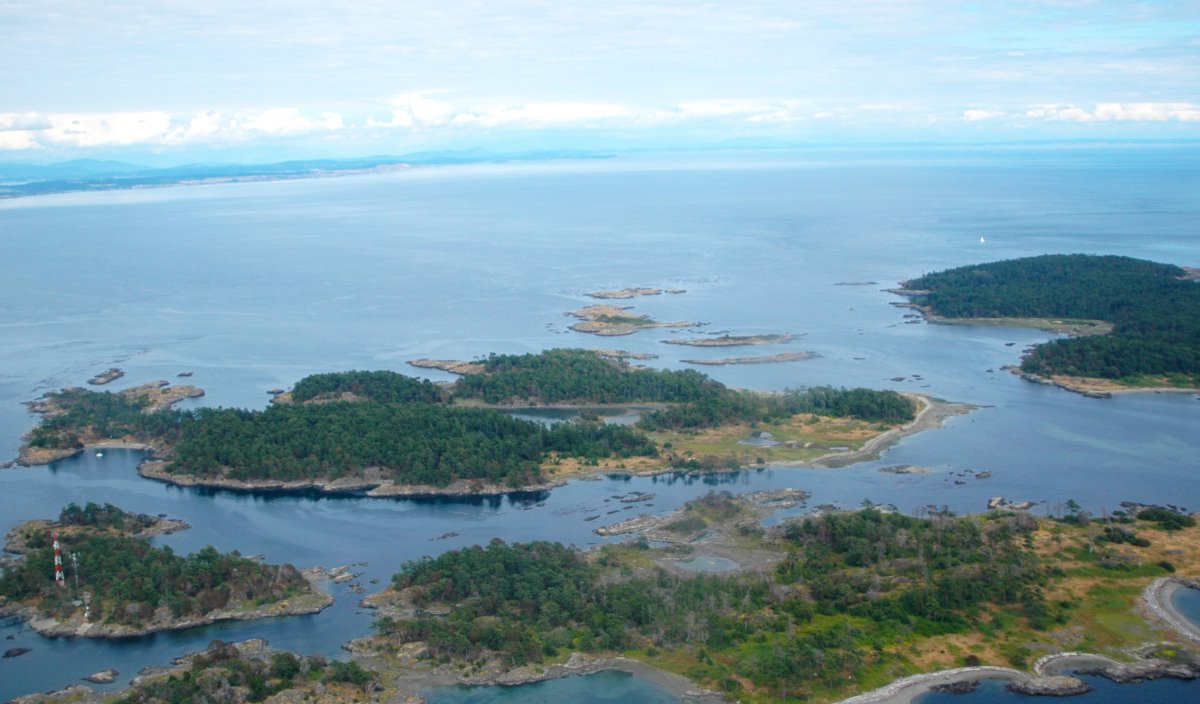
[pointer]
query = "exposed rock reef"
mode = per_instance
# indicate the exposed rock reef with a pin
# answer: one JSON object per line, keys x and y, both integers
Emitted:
{"x": 765, "y": 359}
{"x": 733, "y": 340}
{"x": 609, "y": 321}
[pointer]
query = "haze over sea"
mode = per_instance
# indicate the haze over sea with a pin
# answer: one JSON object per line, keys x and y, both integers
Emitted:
{"x": 253, "y": 286}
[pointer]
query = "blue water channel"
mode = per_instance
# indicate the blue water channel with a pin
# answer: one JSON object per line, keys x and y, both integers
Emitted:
{"x": 253, "y": 286}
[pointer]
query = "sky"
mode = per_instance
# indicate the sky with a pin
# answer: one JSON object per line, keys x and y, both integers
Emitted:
{"x": 175, "y": 81}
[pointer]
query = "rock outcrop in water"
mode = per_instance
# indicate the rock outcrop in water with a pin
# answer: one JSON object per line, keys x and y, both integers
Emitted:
{"x": 1051, "y": 686}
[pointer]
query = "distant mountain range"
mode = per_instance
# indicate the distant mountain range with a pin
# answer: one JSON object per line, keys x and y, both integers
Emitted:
{"x": 22, "y": 179}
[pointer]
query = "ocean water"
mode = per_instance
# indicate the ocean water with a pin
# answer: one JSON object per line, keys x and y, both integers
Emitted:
{"x": 1103, "y": 692}
{"x": 1187, "y": 602}
{"x": 253, "y": 286}
{"x": 599, "y": 688}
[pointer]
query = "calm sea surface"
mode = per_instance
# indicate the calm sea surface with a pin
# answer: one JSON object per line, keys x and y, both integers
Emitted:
{"x": 253, "y": 286}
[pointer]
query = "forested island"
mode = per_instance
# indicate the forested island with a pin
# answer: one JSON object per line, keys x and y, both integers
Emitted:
{"x": 815, "y": 609}
{"x": 1135, "y": 323}
{"x": 118, "y": 585}
{"x": 823, "y": 606}
{"x": 385, "y": 433}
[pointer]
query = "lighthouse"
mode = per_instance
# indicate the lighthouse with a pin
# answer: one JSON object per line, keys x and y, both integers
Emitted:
{"x": 59, "y": 577}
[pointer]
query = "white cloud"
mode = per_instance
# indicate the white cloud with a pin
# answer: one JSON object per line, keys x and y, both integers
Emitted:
{"x": 19, "y": 130}
{"x": 722, "y": 108}
{"x": 1118, "y": 112}
{"x": 18, "y": 139}
{"x": 417, "y": 110}
{"x": 31, "y": 131}
{"x": 289, "y": 121}
{"x": 532, "y": 115}
{"x": 978, "y": 114}
{"x": 22, "y": 122}
{"x": 419, "y": 114}
{"x": 201, "y": 126}
{"x": 92, "y": 130}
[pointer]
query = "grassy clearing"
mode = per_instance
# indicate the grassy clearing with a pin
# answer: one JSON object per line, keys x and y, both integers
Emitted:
{"x": 1075, "y": 327}
{"x": 1102, "y": 583}
{"x": 802, "y": 437}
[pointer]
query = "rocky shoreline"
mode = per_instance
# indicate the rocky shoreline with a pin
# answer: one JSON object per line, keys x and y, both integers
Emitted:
{"x": 16, "y": 540}
{"x": 732, "y": 340}
{"x": 106, "y": 376}
{"x": 346, "y": 486}
{"x": 160, "y": 396}
{"x": 373, "y": 484}
{"x": 1048, "y": 677}
{"x": 403, "y": 674}
{"x": 448, "y": 365}
{"x": 765, "y": 359}
{"x": 36, "y": 456}
{"x": 578, "y": 665}
{"x": 315, "y": 601}
{"x": 609, "y": 320}
{"x": 1090, "y": 387}
{"x": 1094, "y": 387}
{"x": 633, "y": 292}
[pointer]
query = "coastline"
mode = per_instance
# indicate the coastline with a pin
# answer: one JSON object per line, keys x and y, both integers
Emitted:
{"x": 31, "y": 458}
{"x": 1094, "y": 387}
{"x": 765, "y": 359}
{"x": 932, "y": 414}
{"x": 1158, "y": 605}
{"x": 315, "y": 601}
{"x": 1091, "y": 387}
{"x": 159, "y": 395}
{"x": 906, "y": 689}
{"x": 377, "y": 488}
{"x": 577, "y": 665}
{"x": 1049, "y": 677}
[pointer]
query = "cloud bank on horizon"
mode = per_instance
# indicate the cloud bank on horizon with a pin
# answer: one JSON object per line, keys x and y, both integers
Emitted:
{"x": 313, "y": 79}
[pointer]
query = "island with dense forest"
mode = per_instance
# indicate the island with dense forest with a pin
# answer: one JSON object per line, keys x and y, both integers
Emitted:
{"x": 817, "y": 608}
{"x": 386, "y": 434}
{"x": 118, "y": 585}
{"x": 1132, "y": 323}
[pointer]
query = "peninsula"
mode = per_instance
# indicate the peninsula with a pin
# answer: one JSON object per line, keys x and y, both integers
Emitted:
{"x": 121, "y": 586}
{"x": 76, "y": 417}
{"x": 1131, "y": 324}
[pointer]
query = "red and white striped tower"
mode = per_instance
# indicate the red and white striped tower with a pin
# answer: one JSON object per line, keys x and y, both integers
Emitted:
{"x": 59, "y": 577}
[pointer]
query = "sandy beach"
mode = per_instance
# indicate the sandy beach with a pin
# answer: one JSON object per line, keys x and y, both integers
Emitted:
{"x": 905, "y": 690}
{"x": 1156, "y": 599}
